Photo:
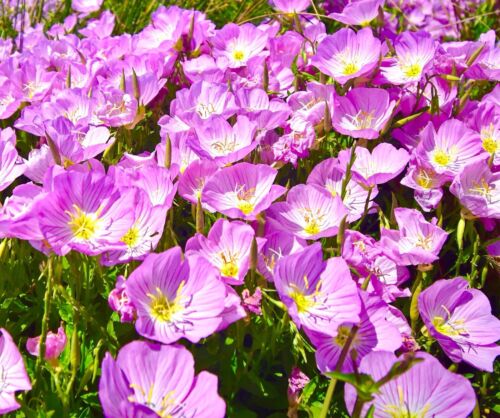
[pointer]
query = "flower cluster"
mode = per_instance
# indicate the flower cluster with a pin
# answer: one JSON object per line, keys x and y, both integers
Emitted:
{"x": 334, "y": 169}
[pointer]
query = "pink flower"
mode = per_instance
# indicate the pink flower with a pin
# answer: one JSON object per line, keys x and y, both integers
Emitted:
{"x": 54, "y": 344}
{"x": 252, "y": 302}
{"x": 346, "y": 54}
{"x": 242, "y": 190}
{"x": 362, "y": 112}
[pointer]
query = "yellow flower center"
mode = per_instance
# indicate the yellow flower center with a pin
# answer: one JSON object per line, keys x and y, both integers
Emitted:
{"x": 350, "y": 68}
{"x": 83, "y": 225}
{"x": 312, "y": 227}
{"x": 238, "y": 55}
{"x": 131, "y": 237}
{"x": 229, "y": 269}
{"x": 245, "y": 207}
{"x": 412, "y": 70}
{"x": 303, "y": 302}
{"x": 140, "y": 396}
{"x": 163, "y": 309}
{"x": 442, "y": 158}
{"x": 451, "y": 329}
{"x": 424, "y": 179}
{"x": 490, "y": 145}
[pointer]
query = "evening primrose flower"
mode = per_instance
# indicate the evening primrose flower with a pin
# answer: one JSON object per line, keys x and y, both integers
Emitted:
{"x": 460, "y": 319}
{"x": 11, "y": 164}
{"x": 152, "y": 380}
{"x": 478, "y": 189}
{"x": 143, "y": 235}
{"x": 235, "y": 44}
{"x": 362, "y": 112}
{"x": 217, "y": 140}
{"x": 384, "y": 163}
{"x": 201, "y": 101}
{"x": 242, "y": 190}
{"x": 426, "y": 390}
{"x": 86, "y": 212}
{"x": 227, "y": 248}
{"x": 13, "y": 376}
{"x": 278, "y": 245}
{"x": 176, "y": 298}
{"x": 193, "y": 180}
{"x": 347, "y": 54}
{"x": 426, "y": 183}
{"x": 360, "y": 12}
{"x": 119, "y": 301}
{"x": 329, "y": 174}
{"x": 374, "y": 333}
{"x": 309, "y": 212}
{"x": 451, "y": 148}
{"x": 414, "y": 53}
{"x": 290, "y": 6}
{"x": 486, "y": 121}
{"x": 416, "y": 242}
{"x": 319, "y": 295}
{"x": 54, "y": 344}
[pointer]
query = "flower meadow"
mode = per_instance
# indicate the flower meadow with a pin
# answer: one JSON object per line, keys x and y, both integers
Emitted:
{"x": 290, "y": 210}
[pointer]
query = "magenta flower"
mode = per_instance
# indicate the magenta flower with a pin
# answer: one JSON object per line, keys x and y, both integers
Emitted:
{"x": 360, "y": 12}
{"x": 234, "y": 45}
{"x": 451, "y": 148}
{"x": 329, "y": 174}
{"x": 296, "y": 382}
{"x": 252, "y": 302}
{"x": 201, "y": 101}
{"x": 143, "y": 235}
{"x": 478, "y": 189}
{"x": 460, "y": 319}
{"x": 375, "y": 333}
{"x": 86, "y": 6}
{"x": 176, "y": 298}
{"x": 193, "y": 180}
{"x": 347, "y": 54}
{"x": 151, "y": 380}
{"x": 278, "y": 245}
{"x": 242, "y": 190}
{"x": 362, "y": 112}
{"x": 11, "y": 165}
{"x": 120, "y": 302}
{"x": 290, "y": 6}
{"x": 256, "y": 105}
{"x": 309, "y": 212}
{"x": 219, "y": 141}
{"x": 319, "y": 295}
{"x": 486, "y": 121}
{"x": 426, "y": 390}
{"x": 414, "y": 53}
{"x": 233, "y": 309}
{"x": 426, "y": 183}
{"x": 84, "y": 211}
{"x": 18, "y": 217}
{"x": 227, "y": 248}
{"x": 14, "y": 376}
{"x": 416, "y": 242}
{"x": 54, "y": 344}
{"x": 384, "y": 163}
{"x": 10, "y": 98}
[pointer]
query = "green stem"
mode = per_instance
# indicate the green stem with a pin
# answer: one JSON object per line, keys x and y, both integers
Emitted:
{"x": 46, "y": 315}
{"x": 347, "y": 177}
